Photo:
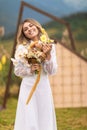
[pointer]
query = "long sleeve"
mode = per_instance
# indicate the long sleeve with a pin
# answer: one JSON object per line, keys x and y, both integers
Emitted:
{"x": 51, "y": 66}
{"x": 22, "y": 70}
{"x": 21, "y": 66}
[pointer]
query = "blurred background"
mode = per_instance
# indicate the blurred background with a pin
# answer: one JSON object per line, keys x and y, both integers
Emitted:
{"x": 69, "y": 85}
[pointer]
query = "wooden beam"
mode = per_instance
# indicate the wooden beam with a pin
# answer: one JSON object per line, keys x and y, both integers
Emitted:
{"x": 71, "y": 37}
{"x": 44, "y": 13}
{"x": 11, "y": 65}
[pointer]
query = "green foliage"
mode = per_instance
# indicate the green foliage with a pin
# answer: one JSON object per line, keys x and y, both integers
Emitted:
{"x": 4, "y": 74}
{"x": 15, "y": 79}
{"x": 78, "y": 24}
{"x": 8, "y": 45}
{"x": 81, "y": 36}
{"x": 54, "y": 29}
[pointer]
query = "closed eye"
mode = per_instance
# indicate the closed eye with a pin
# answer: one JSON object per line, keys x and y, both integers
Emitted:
{"x": 25, "y": 28}
{"x": 30, "y": 25}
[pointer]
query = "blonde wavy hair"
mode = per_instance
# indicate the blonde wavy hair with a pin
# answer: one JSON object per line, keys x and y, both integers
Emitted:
{"x": 21, "y": 38}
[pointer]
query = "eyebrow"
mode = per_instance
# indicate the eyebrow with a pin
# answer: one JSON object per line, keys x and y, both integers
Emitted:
{"x": 24, "y": 28}
{"x": 28, "y": 25}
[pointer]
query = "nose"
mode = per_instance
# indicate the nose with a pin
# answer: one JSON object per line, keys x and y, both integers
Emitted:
{"x": 29, "y": 28}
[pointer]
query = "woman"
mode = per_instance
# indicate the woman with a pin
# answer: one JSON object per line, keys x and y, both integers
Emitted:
{"x": 39, "y": 113}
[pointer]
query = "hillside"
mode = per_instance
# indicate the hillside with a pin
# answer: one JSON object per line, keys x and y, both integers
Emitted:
{"x": 78, "y": 24}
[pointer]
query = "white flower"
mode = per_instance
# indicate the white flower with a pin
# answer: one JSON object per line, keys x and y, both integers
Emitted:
{"x": 21, "y": 53}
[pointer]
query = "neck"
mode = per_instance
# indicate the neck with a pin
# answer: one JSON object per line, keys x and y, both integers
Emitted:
{"x": 35, "y": 39}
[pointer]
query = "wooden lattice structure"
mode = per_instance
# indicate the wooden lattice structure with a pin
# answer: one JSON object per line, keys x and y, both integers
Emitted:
{"x": 69, "y": 85}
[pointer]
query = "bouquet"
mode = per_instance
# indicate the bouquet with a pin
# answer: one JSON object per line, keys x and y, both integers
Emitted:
{"x": 35, "y": 52}
{"x": 34, "y": 55}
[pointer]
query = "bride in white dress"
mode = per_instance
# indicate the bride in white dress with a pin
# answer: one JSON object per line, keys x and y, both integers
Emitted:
{"x": 39, "y": 113}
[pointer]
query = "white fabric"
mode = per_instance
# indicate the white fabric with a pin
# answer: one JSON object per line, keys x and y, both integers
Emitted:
{"x": 39, "y": 114}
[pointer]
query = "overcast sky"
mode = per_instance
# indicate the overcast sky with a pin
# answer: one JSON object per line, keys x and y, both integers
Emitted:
{"x": 79, "y": 4}
{"x": 76, "y": 4}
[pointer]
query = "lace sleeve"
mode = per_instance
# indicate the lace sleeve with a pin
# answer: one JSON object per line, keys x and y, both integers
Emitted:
{"x": 21, "y": 67}
{"x": 51, "y": 66}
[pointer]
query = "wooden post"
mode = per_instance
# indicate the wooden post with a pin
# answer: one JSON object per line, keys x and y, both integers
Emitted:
{"x": 11, "y": 65}
{"x": 71, "y": 37}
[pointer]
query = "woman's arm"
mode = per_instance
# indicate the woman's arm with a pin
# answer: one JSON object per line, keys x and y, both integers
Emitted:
{"x": 21, "y": 67}
{"x": 22, "y": 70}
{"x": 50, "y": 66}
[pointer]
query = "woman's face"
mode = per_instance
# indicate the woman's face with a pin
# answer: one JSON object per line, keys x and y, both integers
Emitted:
{"x": 30, "y": 31}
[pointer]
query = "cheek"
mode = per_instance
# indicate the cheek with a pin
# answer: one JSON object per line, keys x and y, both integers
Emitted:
{"x": 25, "y": 33}
{"x": 36, "y": 30}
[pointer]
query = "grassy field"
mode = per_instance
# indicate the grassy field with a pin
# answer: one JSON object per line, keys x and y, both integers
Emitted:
{"x": 67, "y": 118}
{"x": 7, "y": 45}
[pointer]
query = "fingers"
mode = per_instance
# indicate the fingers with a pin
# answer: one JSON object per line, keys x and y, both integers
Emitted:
{"x": 43, "y": 55}
{"x": 38, "y": 46}
{"x": 47, "y": 48}
{"x": 35, "y": 67}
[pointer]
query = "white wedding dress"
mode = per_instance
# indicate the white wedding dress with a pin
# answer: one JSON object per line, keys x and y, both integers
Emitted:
{"x": 39, "y": 114}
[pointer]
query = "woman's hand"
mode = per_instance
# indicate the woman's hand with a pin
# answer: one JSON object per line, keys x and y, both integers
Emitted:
{"x": 39, "y": 46}
{"x": 47, "y": 48}
{"x": 48, "y": 56}
{"x": 35, "y": 67}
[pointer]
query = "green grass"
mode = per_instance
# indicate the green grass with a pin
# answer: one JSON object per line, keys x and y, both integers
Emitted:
{"x": 72, "y": 118}
{"x": 7, "y": 116}
{"x": 67, "y": 118}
